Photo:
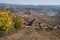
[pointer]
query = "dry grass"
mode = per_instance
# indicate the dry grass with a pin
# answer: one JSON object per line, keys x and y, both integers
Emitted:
{"x": 34, "y": 34}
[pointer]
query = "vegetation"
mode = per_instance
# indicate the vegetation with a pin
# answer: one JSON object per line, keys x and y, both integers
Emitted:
{"x": 8, "y": 22}
{"x": 18, "y": 22}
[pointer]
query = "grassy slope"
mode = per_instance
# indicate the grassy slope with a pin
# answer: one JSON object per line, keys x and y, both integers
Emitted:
{"x": 34, "y": 34}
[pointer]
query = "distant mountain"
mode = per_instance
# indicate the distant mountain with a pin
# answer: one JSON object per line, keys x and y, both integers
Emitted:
{"x": 17, "y": 7}
{"x": 30, "y": 6}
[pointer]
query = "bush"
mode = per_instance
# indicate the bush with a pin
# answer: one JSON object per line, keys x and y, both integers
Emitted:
{"x": 9, "y": 23}
{"x": 18, "y": 22}
{"x": 6, "y": 21}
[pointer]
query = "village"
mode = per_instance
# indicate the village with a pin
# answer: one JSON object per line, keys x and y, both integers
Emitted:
{"x": 35, "y": 21}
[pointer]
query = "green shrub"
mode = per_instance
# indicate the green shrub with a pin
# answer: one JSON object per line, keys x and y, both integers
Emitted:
{"x": 18, "y": 22}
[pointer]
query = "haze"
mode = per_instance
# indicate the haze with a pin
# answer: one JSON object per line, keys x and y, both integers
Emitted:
{"x": 32, "y": 2}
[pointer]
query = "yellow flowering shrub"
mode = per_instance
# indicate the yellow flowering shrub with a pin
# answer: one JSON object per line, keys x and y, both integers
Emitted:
{"x": 9, "y": 22}
{"x": 6, "y": 22}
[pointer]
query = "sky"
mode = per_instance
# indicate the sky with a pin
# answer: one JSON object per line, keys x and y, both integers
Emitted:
{"x": 32, "y": 2}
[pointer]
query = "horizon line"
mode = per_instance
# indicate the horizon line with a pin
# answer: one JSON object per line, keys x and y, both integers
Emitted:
{"x": 29, "y": 4}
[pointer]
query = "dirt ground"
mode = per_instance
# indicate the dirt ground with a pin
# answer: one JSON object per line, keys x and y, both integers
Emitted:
{"x": 34, "y": 34}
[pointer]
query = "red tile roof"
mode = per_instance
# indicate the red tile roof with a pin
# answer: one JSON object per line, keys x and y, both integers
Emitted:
{"x": 37, "y": 20}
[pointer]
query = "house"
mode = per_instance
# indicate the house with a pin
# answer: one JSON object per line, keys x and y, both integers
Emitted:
{"x": 27, "y": 20}
{"x": 35, "y": 22}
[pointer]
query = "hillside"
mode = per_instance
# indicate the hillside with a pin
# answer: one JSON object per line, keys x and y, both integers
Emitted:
{"x": 34, "y": 34}
{"x": 29, "y": 22}
{"x": 50, "y": 10}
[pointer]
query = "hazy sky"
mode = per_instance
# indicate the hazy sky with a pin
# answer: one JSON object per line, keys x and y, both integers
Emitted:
{"x": 33, "y": 2}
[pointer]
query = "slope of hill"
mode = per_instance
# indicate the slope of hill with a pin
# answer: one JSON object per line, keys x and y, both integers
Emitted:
{"x": 34, "y": 34}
